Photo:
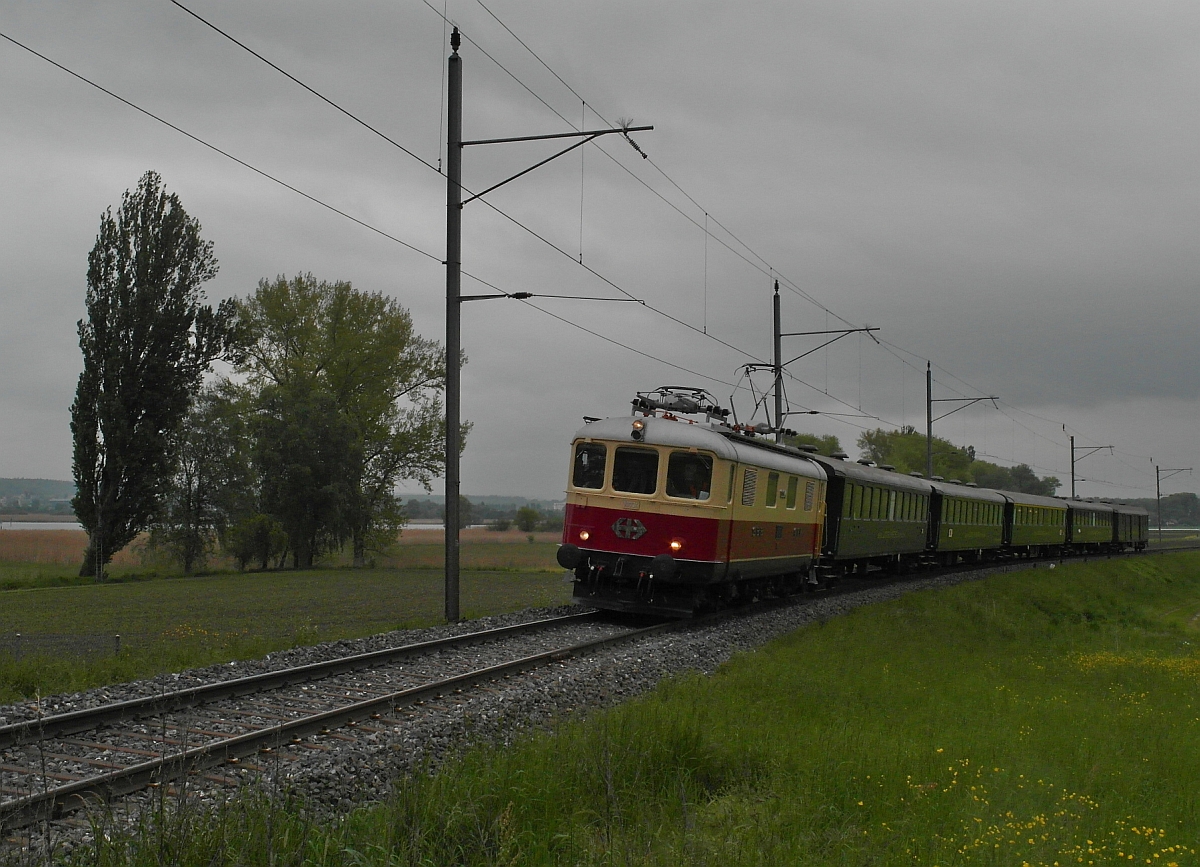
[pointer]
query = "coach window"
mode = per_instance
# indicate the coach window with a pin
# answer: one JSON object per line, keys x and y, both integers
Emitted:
{"x": 772, "y": 490}
{"x": 689, "y": 476}
{"x": 589, "y": 465}
{"x": 891, "y": 513}
{"x": 853, "y": 501}
{"x": 793, "y": 487}
{"x": 635, "y": 471}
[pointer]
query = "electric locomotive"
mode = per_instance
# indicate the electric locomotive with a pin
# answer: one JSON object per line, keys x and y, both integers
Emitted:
{"x": 672, "y": 515}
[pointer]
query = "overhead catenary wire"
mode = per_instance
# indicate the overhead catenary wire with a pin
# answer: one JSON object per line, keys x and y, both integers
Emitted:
{"x": 362, "y": 223}
{"x": 653, "y": 308}
{"x": 546, "y": 241}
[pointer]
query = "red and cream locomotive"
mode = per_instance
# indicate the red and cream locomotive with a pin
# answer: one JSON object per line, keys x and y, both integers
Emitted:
{"x": 673, "y": 514}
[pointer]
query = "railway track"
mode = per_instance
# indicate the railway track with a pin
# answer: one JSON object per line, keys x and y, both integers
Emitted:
{"x": 58, "y": 764}
{"x": 52, "y": 766}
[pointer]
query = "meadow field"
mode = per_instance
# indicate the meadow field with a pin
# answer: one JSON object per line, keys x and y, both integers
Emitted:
{"x": 1033, "y": 718}
{"x": 166, "y": 622}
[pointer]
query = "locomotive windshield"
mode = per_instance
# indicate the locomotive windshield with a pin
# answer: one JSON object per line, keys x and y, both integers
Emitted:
{"x": 689, "y": 476}
{"x": 635, "y": 471}
{"x": 589, "y": 465}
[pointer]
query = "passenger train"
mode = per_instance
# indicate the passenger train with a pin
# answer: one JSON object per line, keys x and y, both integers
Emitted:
{"x": 675, "y": 511}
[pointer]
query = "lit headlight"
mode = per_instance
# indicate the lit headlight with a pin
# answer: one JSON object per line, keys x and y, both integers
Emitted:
{"x": 584, "y": 535}
{"x": 639, "y": 429}
{"x": 676, "y": 545}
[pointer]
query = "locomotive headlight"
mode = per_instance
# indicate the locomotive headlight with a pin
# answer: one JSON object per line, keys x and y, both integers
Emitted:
{"x": 584, "y": 535}
{"x": 676, "y": 545}
{"x": 638, "y": 430}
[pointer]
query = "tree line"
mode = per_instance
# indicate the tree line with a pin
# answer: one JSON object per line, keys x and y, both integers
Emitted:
{"x": 329, "y": 399}
{"x": 904, "y": 449}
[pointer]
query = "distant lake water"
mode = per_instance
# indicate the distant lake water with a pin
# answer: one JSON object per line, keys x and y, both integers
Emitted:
{"x": 40, "y": 525}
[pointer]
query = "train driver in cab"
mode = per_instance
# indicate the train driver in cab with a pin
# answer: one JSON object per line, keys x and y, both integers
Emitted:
{"x": 689, "y": 476}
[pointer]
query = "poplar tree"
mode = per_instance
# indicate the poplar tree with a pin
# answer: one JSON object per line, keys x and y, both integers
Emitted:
{"x": 147, "y": 341}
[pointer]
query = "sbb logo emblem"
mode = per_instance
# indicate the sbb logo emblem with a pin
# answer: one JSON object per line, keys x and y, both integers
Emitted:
{"x": 629, "y": 528}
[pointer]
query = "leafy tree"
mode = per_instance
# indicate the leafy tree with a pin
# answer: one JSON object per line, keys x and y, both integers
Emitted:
{"x": 528, "y": 519}
{"x": 306, "y": 456}
{"x": 1027, "y": 482}
{"x": 211, "y": 483}
{"x": 146, "y": 344}
{"x": 905, "y": 450}
{"x": 826, "y": 444}
{"x": 258, "y": 538}
{"x": 359, "y": 351}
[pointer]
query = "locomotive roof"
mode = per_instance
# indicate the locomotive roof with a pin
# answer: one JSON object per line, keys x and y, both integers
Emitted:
{"x": 700, "y": 435}
{"x": 871, "y": 475}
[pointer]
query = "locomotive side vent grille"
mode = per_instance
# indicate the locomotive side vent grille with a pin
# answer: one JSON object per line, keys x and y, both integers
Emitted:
{"x": 749, "y": 487}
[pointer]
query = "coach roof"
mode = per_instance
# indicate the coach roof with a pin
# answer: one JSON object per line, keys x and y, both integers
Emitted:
{"x": 867, "y": 475}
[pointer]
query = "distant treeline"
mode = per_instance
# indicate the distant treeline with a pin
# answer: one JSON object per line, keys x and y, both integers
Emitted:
{"x": 39, "y": 496}
{"x": 1178, "y": 510}
{"x": 498, "y": 512}
{"x": 905, "y": 451}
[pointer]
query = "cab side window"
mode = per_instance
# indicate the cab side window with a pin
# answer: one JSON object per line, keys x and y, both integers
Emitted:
{"x": 689, "y": 476}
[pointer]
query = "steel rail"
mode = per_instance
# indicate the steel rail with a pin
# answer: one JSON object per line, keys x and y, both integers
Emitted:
{"x": 53, "y": 803}
{"x": 73, "y": 722}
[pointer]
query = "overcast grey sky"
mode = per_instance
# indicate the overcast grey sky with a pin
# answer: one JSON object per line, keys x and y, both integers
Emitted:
{"x": 1007, "y": 189}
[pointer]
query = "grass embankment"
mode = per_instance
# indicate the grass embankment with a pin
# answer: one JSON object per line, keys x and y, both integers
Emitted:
{"x": 1044, "y": 717}
{"x": 173, "y": 623}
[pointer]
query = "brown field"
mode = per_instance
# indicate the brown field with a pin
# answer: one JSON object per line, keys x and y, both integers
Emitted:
{"x": 419, "y": 548}
{"x": 57, "y": 547}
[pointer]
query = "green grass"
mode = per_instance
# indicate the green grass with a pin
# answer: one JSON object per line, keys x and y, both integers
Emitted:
{"x": 168, "y": 624}
{"x": 1043, "y": 717}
